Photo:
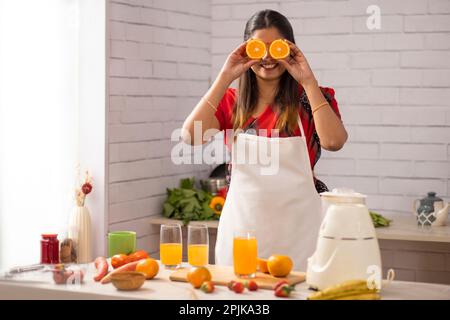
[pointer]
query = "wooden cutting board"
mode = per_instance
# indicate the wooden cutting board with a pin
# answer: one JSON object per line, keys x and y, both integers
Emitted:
{"x": 221, "y": 275}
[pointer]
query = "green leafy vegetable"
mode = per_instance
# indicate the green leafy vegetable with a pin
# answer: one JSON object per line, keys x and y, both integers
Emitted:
{"x": 378, "y": 220}
{"x": 187, "y": 203}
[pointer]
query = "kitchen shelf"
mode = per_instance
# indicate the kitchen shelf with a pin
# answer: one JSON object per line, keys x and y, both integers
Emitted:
{"x": 403, "y": 227}
{"x": 212, "y": 224}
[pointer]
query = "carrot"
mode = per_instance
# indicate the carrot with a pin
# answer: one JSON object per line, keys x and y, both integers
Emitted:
{"x": 131, "y": 266}
{"x": 102, "y": 268}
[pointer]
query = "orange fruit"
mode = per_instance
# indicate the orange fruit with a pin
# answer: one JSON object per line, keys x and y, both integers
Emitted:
{"x": 255, "y": 49}
{"x": 279, "y": 49}
{"x": 262, "y": 265}
{"x": 197, "y": 275}
{"x": 149, "y": 267}
{"x": 279, "y": 265}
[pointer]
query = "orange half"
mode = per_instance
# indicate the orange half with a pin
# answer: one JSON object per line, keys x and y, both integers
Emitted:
{"x": 255, "y": 49}
{"x": 279, "y": 49}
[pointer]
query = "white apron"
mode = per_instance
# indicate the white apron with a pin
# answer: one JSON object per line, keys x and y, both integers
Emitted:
{"x": 283, "y": 209}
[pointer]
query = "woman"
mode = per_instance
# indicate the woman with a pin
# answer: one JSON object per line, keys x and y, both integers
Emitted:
{"x": 282, "y": 209}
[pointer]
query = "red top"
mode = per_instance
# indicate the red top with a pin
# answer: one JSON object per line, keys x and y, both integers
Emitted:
{"x": 267, "y": 120}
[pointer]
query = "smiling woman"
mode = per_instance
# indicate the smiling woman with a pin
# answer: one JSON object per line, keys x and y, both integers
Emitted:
{"x": 278, "y": 99}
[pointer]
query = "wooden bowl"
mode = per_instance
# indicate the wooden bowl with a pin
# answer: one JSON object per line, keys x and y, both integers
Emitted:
{"x": 131, "y": 280}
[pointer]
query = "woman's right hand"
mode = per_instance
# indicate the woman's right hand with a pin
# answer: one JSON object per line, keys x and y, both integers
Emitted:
{"x": 237, "y": 63}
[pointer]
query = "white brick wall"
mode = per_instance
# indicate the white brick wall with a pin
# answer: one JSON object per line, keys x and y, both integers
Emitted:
{"x": 392, "y": 85}
{"x": 159, "y": 66}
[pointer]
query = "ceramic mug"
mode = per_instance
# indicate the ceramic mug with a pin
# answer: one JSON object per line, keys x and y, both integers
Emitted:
{"x": 121, "y": 242}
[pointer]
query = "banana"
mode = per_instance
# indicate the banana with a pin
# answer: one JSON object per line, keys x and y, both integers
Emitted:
{"x": 350, "y": 287}
{"x": 365, "y": 296}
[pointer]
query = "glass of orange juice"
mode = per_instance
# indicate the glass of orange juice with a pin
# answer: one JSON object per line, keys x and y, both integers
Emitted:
{"x": 171, "y": 246}
{"x": 245, "y": 253}
{"x": 198, "y": 245}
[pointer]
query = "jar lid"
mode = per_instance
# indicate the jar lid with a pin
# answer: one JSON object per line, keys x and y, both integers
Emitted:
{"x": 49, "y": 235}
{"x": 344, "y": 195}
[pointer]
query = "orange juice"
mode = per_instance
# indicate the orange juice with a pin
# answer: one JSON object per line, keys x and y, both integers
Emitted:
{"x": 245, "y": 255}
{"x": 171, "y": 253}
{"x": 198, "y": 254}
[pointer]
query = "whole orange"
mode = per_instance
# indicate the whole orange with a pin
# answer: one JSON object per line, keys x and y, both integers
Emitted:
{"x": 279, "y": 265}
{"x": 149, "y": 267}
{"x": 262, "y": 265}
{"x": 197, "y": 275}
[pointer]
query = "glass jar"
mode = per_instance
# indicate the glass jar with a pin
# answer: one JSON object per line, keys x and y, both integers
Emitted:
{"x": 49, "y": 249}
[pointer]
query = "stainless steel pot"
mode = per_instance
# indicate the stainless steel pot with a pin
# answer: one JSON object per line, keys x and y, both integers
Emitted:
{"x": 213, "y": 185}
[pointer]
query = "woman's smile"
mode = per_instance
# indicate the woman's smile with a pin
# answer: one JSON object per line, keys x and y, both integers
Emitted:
{"x": 269, "y": 66}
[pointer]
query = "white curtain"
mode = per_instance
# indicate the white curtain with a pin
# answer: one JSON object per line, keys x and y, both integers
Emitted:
{"x": 38, "y": 123}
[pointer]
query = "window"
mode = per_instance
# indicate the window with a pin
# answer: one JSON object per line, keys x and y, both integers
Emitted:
{"x": 41, "y": 63}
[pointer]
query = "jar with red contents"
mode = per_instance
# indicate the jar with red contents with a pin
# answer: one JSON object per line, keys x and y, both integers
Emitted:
{"x": 50, "y": 249}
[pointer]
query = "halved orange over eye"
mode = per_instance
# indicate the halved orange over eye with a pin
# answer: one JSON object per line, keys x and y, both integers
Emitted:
{"x": 255, "y": 49}
{"x": 279, "y": 49}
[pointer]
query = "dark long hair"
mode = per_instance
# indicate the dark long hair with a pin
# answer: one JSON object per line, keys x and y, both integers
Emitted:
{"x": 287, "y": 97}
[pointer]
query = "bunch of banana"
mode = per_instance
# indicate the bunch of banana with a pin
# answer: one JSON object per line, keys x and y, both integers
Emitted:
{"x": 378, "y": 220}
{"x": 348, "y": 290}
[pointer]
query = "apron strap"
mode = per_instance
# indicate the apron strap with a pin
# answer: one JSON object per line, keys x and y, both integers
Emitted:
{"x": 300, "y": 125}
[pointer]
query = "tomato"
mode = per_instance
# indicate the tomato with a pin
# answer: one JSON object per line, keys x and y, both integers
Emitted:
{"x": 138, "y": 255}
{"x": 119, "y": 260}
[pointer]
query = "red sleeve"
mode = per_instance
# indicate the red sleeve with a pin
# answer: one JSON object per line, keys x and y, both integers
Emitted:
{"x": 329, "y": 95}
{"x": 224, "y": 111}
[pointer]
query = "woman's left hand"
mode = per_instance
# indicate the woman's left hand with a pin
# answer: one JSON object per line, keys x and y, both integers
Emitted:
{"x": 297, "y": 65}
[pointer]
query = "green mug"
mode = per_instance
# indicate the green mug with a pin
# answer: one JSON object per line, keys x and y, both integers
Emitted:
{"x": 121, "y": 242}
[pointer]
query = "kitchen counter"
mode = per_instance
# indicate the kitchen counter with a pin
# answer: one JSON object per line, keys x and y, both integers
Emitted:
{"x": 402, "y": 227}
{"x": 161, "y": 288}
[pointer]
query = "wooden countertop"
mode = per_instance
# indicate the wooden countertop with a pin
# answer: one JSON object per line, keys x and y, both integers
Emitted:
{"x": 402, "y": 227}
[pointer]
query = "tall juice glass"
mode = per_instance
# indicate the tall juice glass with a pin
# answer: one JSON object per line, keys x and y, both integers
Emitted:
{"x": 170, "y": 246}
{"x": 198, "y": 245}
{"x": 245, "y": 254}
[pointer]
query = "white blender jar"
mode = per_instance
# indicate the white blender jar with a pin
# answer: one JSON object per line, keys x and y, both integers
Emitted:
{"x": 347, "y": 248}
